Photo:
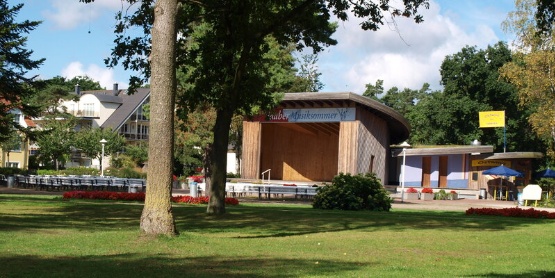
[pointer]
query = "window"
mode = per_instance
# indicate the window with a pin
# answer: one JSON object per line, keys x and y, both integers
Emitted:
{"x": 88, "y": 110}
{"x": 474, "y": 176}
{"x": 371, "y": 166}
{"x": 140, "y": 114}
{"x": 143, "y": 131}
{"x": 16, "y": 118}
{"x": 12, "y": 164}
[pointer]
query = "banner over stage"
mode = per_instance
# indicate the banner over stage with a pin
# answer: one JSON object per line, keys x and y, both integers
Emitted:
{"x": 310, "y": 115}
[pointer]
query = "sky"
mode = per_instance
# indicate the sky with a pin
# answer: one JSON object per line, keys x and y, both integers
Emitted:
{"x": 75, "y": 38}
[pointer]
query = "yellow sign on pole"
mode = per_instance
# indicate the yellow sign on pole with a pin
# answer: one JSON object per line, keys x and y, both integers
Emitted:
{"x": 492, "y": 119}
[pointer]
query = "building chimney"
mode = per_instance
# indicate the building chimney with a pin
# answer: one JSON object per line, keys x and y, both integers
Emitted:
{"x": 77, "y": 89}
{"x": 115, "y": 89}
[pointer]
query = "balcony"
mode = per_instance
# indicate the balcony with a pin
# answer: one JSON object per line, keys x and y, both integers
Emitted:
{"x": 130, "y": 136}
{"x": 84, "y": 113}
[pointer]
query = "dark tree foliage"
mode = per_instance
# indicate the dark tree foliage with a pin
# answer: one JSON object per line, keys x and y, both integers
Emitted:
{"x": 353, "y": 192}
{"x": 374, "y": 91}
{"x": 15, "y": 63}
{"x": 545, "y": 15}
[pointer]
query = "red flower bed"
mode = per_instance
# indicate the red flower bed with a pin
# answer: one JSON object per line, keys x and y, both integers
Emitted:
{"x": 124, "y": 196}
{"x": 104, "y": 195}
{"x": 196, "y": 178}
{"x": 512, "y": 212}
{"x": 412, "y": 190}
{"x": 201, "y": 200}
{"x": 427, "y": 190}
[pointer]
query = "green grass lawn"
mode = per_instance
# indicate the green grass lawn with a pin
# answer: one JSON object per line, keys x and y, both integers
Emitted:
{"x": 45, "y": 236}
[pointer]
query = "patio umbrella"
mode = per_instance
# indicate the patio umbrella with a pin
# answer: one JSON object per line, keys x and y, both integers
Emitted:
{"x": 547, "y": 173}
{"x": 502, "y": 171}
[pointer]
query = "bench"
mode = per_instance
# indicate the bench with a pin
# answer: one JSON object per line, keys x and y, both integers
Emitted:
{"x": 277, "y": 190}
{"x": 306, "y": 192}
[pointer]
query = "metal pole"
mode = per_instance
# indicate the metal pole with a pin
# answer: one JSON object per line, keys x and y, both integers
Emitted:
{"x": 103, "y": 141}
{"x": 403, "y": 177}
{"x": 102, "y": 162}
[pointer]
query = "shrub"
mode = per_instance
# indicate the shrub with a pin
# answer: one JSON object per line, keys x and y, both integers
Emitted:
{"x": 129, "y": 173}
{"x": 9, "y": 171}
{"x": 232, "y": 175}
{"x": 348, "y": 192}
{"x": 441, "y": 195}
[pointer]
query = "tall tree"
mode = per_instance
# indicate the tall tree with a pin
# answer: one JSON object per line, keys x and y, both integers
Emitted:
{"x": 159, "y": 19}
{"x": 531, "y": 33}
{"x": 227, "y": 61}
{"x": 308, "y": 77}
{"x": 157, "y": 217}
{"x": 545, "y": 16}
{"x": 87, "y": 141}
{"x": 532, "y": 70}
{"x": 404, "y": 101}
{"x": 15, "y": 63}
{"x": 374, "y": 91}
{"x": 56, "y": 139}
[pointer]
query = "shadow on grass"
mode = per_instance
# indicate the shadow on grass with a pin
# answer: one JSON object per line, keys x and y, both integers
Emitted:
{"x": 532, "y": 274}
{"x": 252, "y": 221}
{"x": 47, "y": 212}
{"x": 162, "y": 265}
{"x": 282, "y": 221}
{"x": 137, "y": 265}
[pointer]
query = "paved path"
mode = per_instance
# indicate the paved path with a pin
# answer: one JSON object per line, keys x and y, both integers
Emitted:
{"x": 449, "y": 205}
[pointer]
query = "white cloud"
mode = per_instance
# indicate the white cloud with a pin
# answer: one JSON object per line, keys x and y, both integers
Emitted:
{"x": 103, "y": 75}
{"x": 403, "y": 54}
{"x": 70, "y": 14}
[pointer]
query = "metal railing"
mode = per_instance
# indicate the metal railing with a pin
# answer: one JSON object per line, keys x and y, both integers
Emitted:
{"x": 263, "y": 173}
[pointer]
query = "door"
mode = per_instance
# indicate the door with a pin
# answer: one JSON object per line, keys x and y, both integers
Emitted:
{"x": 426, "y": 170}
{"x": 443, "y": 162}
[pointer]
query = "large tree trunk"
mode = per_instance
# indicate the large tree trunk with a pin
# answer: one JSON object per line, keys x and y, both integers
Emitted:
{"x": 218, "y": 159}
{"x": 157, "y": 217}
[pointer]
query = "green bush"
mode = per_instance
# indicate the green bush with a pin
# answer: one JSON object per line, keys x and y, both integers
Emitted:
{"x": 348, "y": 192}
{"x": 9, "y": 171}
{"x": 124, "y": 173}
{"x": 77, "y": 171}
{"x": 80, "y": 171}
{"x": 232, "y": 175}
{"x": 441, "y": 195}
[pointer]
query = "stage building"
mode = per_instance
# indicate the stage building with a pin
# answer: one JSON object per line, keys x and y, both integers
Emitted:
{"x": 315, "y": 136}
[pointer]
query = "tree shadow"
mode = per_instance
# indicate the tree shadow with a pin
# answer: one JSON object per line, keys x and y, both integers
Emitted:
{"x": 266, "y": 220}
{"x": 530, "y": 274}
{"x": 163, "y": 265}
{"x": 282, "y": 221}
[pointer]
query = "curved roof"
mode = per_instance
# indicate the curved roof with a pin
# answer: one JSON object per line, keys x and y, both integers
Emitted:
{"x": 514, "y": 155}
{"x": 399, "y": 127}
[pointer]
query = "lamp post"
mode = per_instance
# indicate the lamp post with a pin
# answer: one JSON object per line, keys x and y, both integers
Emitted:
{"x": 405, "y": 145}
{"x": 103, "y": 142}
